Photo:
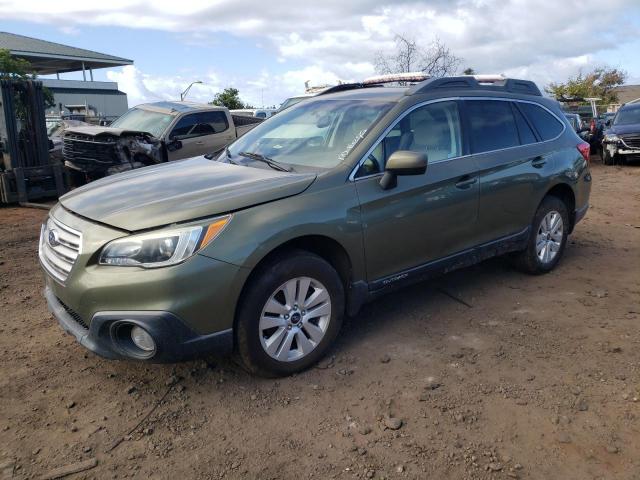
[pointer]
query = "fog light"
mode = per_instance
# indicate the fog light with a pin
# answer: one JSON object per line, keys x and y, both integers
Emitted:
{"x": 142, "y": 339}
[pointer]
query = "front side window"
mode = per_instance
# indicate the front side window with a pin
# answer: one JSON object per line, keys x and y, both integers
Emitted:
{"x": 199, "y": 124}
{"x": 433, "y": 129}
{"x": 317, "y": 133}
{"x": 492, "y": 125}
{"x": 547, "y": 125}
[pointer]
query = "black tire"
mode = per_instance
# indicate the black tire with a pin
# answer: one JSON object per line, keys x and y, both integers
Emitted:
{"x": 527, "y": 260}
{"x": 285, "y": 267}
{"x": 607, "y": 158}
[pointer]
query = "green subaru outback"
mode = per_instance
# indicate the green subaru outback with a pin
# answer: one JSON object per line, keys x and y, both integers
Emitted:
{"x": 264, "y": 248}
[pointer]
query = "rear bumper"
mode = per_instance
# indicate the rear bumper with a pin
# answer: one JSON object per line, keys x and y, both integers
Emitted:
{"x": 174, "y": 340}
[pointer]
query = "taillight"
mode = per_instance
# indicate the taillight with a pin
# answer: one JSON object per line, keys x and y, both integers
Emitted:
{"x": 585, "y": 149}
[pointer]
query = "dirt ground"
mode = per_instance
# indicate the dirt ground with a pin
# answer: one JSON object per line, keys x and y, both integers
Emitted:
{"x": 484, "y": 373}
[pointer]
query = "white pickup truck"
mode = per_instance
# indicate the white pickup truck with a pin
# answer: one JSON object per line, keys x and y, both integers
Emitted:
{"x": 149, "y": 134}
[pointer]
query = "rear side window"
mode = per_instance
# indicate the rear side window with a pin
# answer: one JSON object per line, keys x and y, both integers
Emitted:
{"x": 526, "y": 134}
{"x": 547, "y": 125}
{"x": 492, "y": 124}
{"x": 213, "y": 122}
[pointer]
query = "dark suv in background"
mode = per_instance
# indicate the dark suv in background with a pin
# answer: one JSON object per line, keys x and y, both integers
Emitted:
{"x": 327, "y": 205}
{"x": 621, "y": 140}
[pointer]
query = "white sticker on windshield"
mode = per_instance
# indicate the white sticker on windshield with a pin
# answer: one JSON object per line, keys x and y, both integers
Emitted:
{"x": 353, "y": 143}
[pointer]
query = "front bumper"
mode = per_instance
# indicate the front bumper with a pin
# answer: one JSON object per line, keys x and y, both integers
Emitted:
{"x": 580, "y": 213}
{"x": 174, "y": 340}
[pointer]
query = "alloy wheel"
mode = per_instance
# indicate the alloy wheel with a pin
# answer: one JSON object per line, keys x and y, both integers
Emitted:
{"x": 295, "y": 319}
{"x": 549, "y": 237}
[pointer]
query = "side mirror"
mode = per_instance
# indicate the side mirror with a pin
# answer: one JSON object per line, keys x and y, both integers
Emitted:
{"x": 174, "y": 145}
{"x": 403, "y": 162}
{"x": 608, "y": 123}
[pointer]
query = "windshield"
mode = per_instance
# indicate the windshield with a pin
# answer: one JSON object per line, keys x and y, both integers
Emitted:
{"x": 141, "y": 120}
{"x": 627, "y": 116}
{"x": 290, "y": 102}
{"x": 318, "y": 133}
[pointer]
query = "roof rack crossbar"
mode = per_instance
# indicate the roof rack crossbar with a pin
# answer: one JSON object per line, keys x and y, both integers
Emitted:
{"x": 503, "y": 84}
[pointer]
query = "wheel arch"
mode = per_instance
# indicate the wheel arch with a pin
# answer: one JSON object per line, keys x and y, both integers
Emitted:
{"x": 565, "y": 192}
{"x": 324, "y": 246}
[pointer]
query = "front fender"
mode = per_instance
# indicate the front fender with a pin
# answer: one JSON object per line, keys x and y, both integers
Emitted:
{"x": 255, "y": 232}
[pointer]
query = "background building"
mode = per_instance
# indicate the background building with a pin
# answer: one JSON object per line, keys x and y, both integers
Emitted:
{"x": 626, "y": 94}
{"x": 49, "y": 58}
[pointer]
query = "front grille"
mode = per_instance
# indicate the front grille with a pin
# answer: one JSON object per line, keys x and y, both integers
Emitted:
{"x": 59, "y": 248}
{"x": 87, "y": 150}
{"x": 78, "y": 319}
{"x": 632, "y": 140}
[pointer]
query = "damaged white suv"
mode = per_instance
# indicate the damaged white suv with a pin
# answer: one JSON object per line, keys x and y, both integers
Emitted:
{"x": 149, "y": 134}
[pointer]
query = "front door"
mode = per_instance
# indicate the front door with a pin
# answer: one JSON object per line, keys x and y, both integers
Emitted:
{"x": 201, "y": 133}
{"x": 425, "y": 217}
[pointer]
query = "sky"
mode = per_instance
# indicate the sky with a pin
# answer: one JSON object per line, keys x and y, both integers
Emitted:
{"x": 268, "y": 49}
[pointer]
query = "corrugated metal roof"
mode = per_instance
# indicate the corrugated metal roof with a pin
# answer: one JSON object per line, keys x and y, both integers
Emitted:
{"x": 628, "y": 93}
{"x": 23, "y": 46}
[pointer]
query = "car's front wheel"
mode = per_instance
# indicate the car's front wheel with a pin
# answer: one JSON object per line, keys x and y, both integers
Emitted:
{"x": 290, "y": 314}
{"x": 607, "y": 158}
{"x": 548, "y": 238}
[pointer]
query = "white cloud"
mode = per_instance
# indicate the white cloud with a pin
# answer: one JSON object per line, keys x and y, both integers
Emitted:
{"x": 337, "y": 39}
{"x": 143, "y": 88}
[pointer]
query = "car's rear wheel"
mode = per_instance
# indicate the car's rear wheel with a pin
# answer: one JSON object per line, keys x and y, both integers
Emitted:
{"x": 290, "y": 314}
{"x": 548, "y": 238}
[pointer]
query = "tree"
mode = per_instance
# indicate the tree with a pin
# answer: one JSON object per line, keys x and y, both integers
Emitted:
{"x": 21, "y": 69}
{"x": 230, "y": 98}
{"x": 436, "y": 59}
{"x": 599, "y": 83}
{"x": 469, "y": 71}
{"x": 14, "y": 67}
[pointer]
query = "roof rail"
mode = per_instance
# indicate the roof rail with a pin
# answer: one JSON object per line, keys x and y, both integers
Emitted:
{"x": 378, "y": 81}
{"x": 407, "y": 77}
{"x": 346, "y": 86}
{"x": 489, "y": 82}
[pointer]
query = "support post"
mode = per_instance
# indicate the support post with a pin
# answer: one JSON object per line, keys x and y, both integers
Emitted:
{"x": 91, "y": 74}
{"x": 84, "y": 73}
{"x": 21, "y": 186}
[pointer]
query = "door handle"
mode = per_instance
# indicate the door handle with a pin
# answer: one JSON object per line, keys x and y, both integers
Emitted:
{"x": 466, "y": 182}
{"x": 538, "y": 162}
{"x": 200, "y": 142}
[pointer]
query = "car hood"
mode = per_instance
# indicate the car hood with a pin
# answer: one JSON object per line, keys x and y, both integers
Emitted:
{"x": 180, "y": 191}
{"x": 622, "y": 129}
{"x": 96, "y": 130}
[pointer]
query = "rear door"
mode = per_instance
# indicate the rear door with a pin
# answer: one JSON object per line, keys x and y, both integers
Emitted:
{"x": 425, "y": 217}
{"x": 201, "y": 133}
{"x": 511, "y": 160}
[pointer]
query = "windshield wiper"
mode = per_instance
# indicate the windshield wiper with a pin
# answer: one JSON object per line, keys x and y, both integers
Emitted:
{"x": 210, "y": 156}
{"x": 261, "y": 158}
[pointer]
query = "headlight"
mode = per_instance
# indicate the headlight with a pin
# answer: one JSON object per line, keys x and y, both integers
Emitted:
{"x": 162, "y": 248}
{"x": 611, "y": 138}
